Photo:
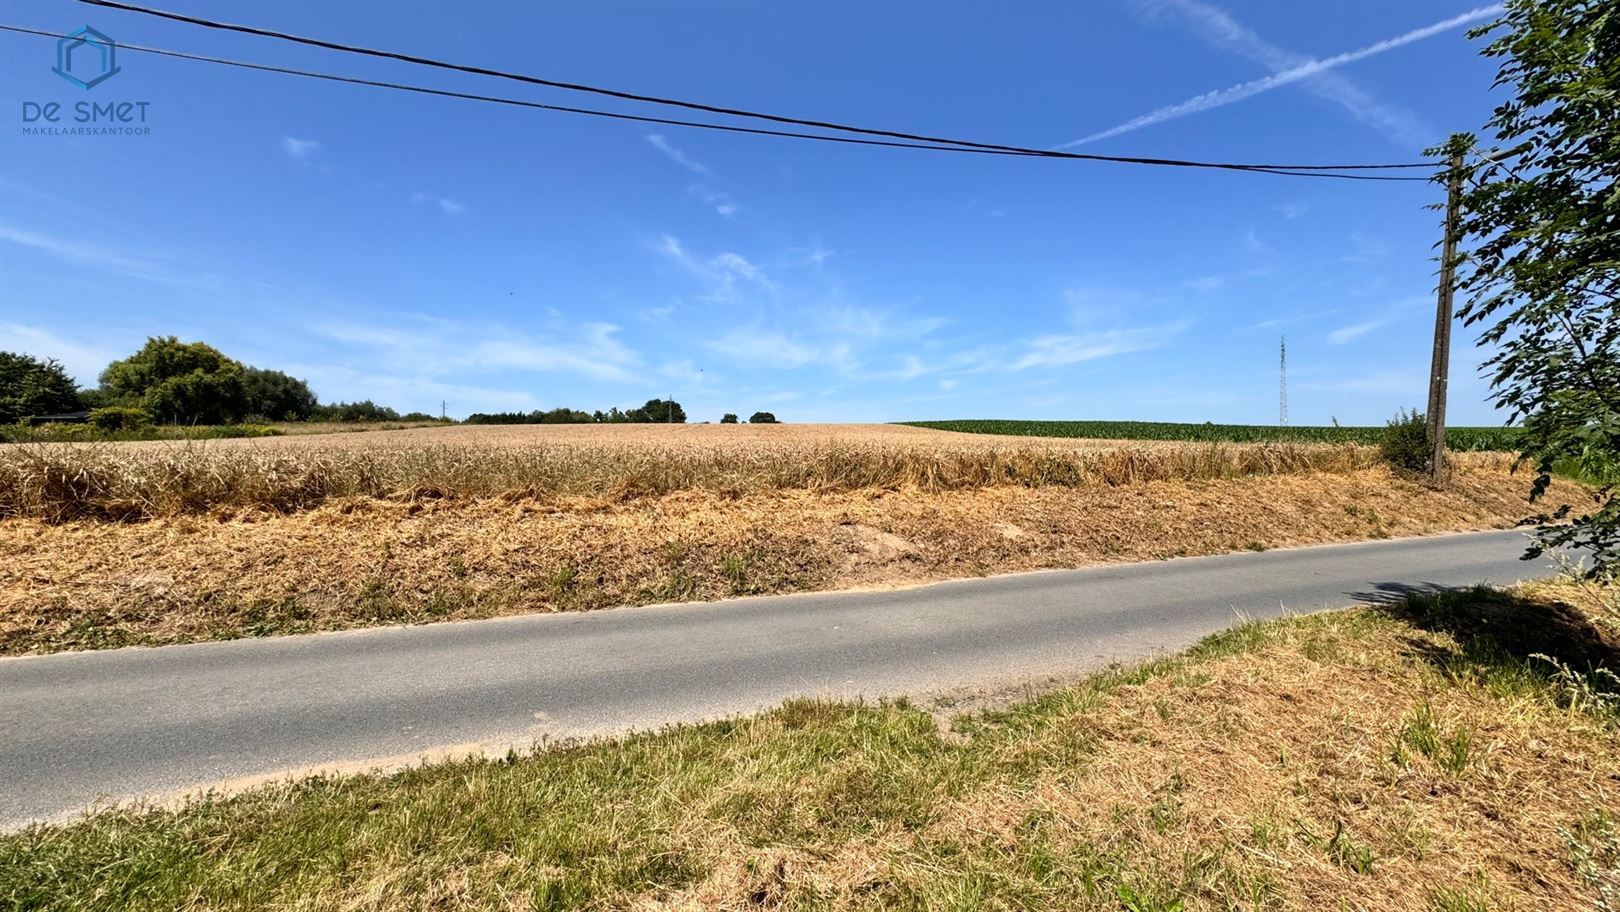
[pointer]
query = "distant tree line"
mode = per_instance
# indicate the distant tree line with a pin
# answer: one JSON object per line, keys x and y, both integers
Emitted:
{"x": 193, "y": 383}
{"x": 173, "y": 382}
{"x": 29, "y": 386}
{"x": 756, "y": 418}
{"x": 655, "y": 411}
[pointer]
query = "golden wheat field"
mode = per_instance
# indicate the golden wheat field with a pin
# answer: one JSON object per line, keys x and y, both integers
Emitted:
{"x": 161, "y": 542}
{"x": 61, "y": 481}
{"x": 731, "y": 438}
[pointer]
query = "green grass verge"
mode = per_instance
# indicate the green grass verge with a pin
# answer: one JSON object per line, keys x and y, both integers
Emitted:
{"x": 1458, "y": 438}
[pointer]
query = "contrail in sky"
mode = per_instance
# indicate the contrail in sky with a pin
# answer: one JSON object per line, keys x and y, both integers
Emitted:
{"x": 1221, "y": 97}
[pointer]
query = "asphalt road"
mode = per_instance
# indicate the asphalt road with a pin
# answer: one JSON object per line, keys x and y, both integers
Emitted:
{"x": 81, "y": 727}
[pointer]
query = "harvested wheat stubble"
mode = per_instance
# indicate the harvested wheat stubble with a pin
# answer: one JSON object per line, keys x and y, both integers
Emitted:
{"x": 148, "y": 479}
{"x": 363, "y": 561}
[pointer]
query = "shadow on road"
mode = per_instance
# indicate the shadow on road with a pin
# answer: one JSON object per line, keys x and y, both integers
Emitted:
{"x": 1396, "y": 593}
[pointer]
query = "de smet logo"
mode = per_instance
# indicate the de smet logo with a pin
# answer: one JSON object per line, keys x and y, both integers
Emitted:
{"x": 86, "y": 58}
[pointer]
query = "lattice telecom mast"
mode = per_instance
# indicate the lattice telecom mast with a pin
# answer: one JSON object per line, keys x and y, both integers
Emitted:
{"x": 1282, "y": 383}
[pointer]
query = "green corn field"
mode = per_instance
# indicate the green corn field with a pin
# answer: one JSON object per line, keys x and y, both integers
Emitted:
{"x": 1458, "y": 438}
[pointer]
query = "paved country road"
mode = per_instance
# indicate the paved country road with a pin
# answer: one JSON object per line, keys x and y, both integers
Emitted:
{"x": 150, "y": 722}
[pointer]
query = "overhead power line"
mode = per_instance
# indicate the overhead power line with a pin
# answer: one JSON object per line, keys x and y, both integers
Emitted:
{"x": 737, "y": 112}
{"x": 516, "y": 102}
{"x": 638, "y": 118}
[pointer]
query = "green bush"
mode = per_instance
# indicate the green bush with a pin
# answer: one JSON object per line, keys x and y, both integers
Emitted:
{"x": 658, "y": 411}
{"x": 728, "y": 418}
{"x": 178, "y": 382}
{"x": 1405, "y": 444}
{"x": 276, "y": 396}
{"x": 762, "y": 418}
{"x": 119, "y": 418}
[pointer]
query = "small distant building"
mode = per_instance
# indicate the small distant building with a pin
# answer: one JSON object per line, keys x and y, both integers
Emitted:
{"x": 64, "y": 418}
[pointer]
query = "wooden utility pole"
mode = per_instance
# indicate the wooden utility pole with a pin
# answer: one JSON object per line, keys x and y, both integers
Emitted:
{"x": 1441, "y": 364}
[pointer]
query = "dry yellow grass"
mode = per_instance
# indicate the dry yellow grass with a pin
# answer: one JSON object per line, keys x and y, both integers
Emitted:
{"x": 362, "y": 561}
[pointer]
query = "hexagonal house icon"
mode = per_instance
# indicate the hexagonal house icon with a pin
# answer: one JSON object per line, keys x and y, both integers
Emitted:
{"x": 86, "y": 58}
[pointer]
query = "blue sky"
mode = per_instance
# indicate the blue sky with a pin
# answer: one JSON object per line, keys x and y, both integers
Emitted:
{"x": 411, "y": 249}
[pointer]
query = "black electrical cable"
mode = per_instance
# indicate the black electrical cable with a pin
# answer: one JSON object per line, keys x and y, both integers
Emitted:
{"x": 731, "y": 112}
{"x": 728, "y": 128}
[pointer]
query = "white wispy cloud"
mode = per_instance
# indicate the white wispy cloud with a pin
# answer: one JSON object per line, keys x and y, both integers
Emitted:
{"x": 116, "y": 261}
{"x": 300, "y": 149}
{"x": 1383, "y": 382}
{"x": 407, "y": 389}
{"x": 378, "y": 336}
{"x": 83, "y": 209}
{"x": 445, "y": 204}
{"x": 1209, "y": 282}
{"x": 685, "y": 372}
{"x": 723, "y": 272}
{"x": 1220, "y": 29}
{"x": 1287, "y": 321}
{"x": 438, "y": 348}
{"x": 953, "y": 364}
{"x": 84, "y": 360}
{"x": 812, "y": 255}
{"x": 860, "y": 343}
{"x": 1218, "y": 280}
{"x": 1365, "y": 248}
{"x": 737, "y": 264}
{"x": 864, "y": 323}
{"x": 77, "y": 251}
{"x": 723, "y": 204}
{"x": 764, "y": 347}
{"x": 1355, "y": 331}
{"x": 596, "y": 354}
{"x": 1292, "y": 74}
{"x": 1254, "y": 246}
{"x": 670, "y": 246}
{"x": 855, "y": 342}
{"x": 677, "y": 156}
{"x": 1063, "y": 349}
